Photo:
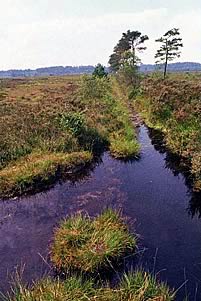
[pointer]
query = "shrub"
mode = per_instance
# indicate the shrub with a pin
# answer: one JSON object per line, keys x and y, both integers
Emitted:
{"x": 94, "y": 88}
{"x": 99, "y": 71}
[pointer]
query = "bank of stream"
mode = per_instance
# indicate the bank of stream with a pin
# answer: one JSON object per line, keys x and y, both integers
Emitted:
{"x": 152, "y": 191}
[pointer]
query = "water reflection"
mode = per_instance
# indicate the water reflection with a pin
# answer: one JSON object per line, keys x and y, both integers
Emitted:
{"x": 150, "y": 191}
{"x": 177, "y": 167}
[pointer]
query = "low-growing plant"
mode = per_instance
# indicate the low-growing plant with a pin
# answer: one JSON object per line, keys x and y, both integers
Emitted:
{"x": 73, "y": 289}
{"x": 140, "y": 285}
{"x": 87, "y": 244}
{"x": 121, "y": 148}
{"x": 136, "y": 286}
{"x": 72, "y": 121}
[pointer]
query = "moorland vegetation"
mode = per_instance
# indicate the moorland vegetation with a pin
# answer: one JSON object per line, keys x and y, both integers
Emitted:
{"x": 51, "y": 125}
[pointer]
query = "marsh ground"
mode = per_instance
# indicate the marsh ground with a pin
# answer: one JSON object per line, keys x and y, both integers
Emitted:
{"x": 49, "y": 118}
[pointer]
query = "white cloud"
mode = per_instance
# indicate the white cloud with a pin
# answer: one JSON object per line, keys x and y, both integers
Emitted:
{"x": 190, "y": 27}
{"x": 78, "y": 40}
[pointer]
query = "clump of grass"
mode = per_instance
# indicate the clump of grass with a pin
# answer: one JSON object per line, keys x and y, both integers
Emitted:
{"x": 138, "y": 286}
{"x": 73, "y": 289}
{"x": 121, "y": 147}
{"x": 87, "y": 244}
{"x": 39, "y": 168}
{"x": 141, "y": 285}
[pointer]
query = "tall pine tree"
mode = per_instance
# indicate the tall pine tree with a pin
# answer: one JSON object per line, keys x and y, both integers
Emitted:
{"x": 125, "y": 52}
{"x": 170, "y": 48}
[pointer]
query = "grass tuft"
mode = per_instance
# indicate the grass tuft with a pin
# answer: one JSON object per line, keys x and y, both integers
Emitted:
{"x": 73, "y": 289}
{"x": 87, "y": 244}
{"x": 138, "y": 286}
{"x": 141, "y": 285}
{"x": 122, "y": 148}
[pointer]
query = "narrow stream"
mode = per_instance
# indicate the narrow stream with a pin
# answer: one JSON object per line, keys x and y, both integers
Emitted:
{"x": 152, "y": 192}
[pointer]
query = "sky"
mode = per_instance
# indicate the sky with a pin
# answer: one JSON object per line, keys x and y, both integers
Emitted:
{"x": 39, "y": 33}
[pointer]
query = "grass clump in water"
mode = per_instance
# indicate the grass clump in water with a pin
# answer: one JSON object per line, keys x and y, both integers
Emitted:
{"x": 73, "y": 289}
{"x": 87, "y": 244}
{"x": 137, "y": 286}
{"x": 38, "y": 169}
{"x": 122, "y": 148}
{"x": 140, "y": 285}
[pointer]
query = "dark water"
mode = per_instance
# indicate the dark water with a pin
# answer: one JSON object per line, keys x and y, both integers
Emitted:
{"x": 151, "y": 191}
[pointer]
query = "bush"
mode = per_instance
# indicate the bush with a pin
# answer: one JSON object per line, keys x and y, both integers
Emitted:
{"x": 94, "y": 88}
{"x": 99, "y": 71}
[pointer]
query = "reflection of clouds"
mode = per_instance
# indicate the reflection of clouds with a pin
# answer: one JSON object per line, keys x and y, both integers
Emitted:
{"x": 6, "y": 217}
{"x": 110, "y": 195}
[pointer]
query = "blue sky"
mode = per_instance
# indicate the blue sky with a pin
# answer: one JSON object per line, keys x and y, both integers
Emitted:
{"x": 36, "y": 33}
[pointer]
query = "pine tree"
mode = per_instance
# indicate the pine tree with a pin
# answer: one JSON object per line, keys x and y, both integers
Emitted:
{"x": 99, "y": 71}
{"x": 124, "y": 54}
{"x": 169, "y": 50}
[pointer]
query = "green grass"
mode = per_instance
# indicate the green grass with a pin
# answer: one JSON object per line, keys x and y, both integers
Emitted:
{"x": 122, "y": 148}
{"x": 73, "y": 289}
{"x": 113, "y": 115}
{"x": 39, "y": 169}
{"x": 141, "y": 285}
{"x": 136, "y": 286}
{"x": 86, "y": 244}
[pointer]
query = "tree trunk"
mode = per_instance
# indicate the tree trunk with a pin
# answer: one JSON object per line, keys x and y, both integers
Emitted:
{"x": 133, "y": 52}
{"x": 166, "y": 61}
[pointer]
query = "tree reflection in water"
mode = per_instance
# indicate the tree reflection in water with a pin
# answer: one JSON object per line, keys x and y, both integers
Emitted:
{"x": 178, "y": 166}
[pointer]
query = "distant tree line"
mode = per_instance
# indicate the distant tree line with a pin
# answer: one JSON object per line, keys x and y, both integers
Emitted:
{"x": 54, "y": 71}
{"x": 48, "y": 71}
